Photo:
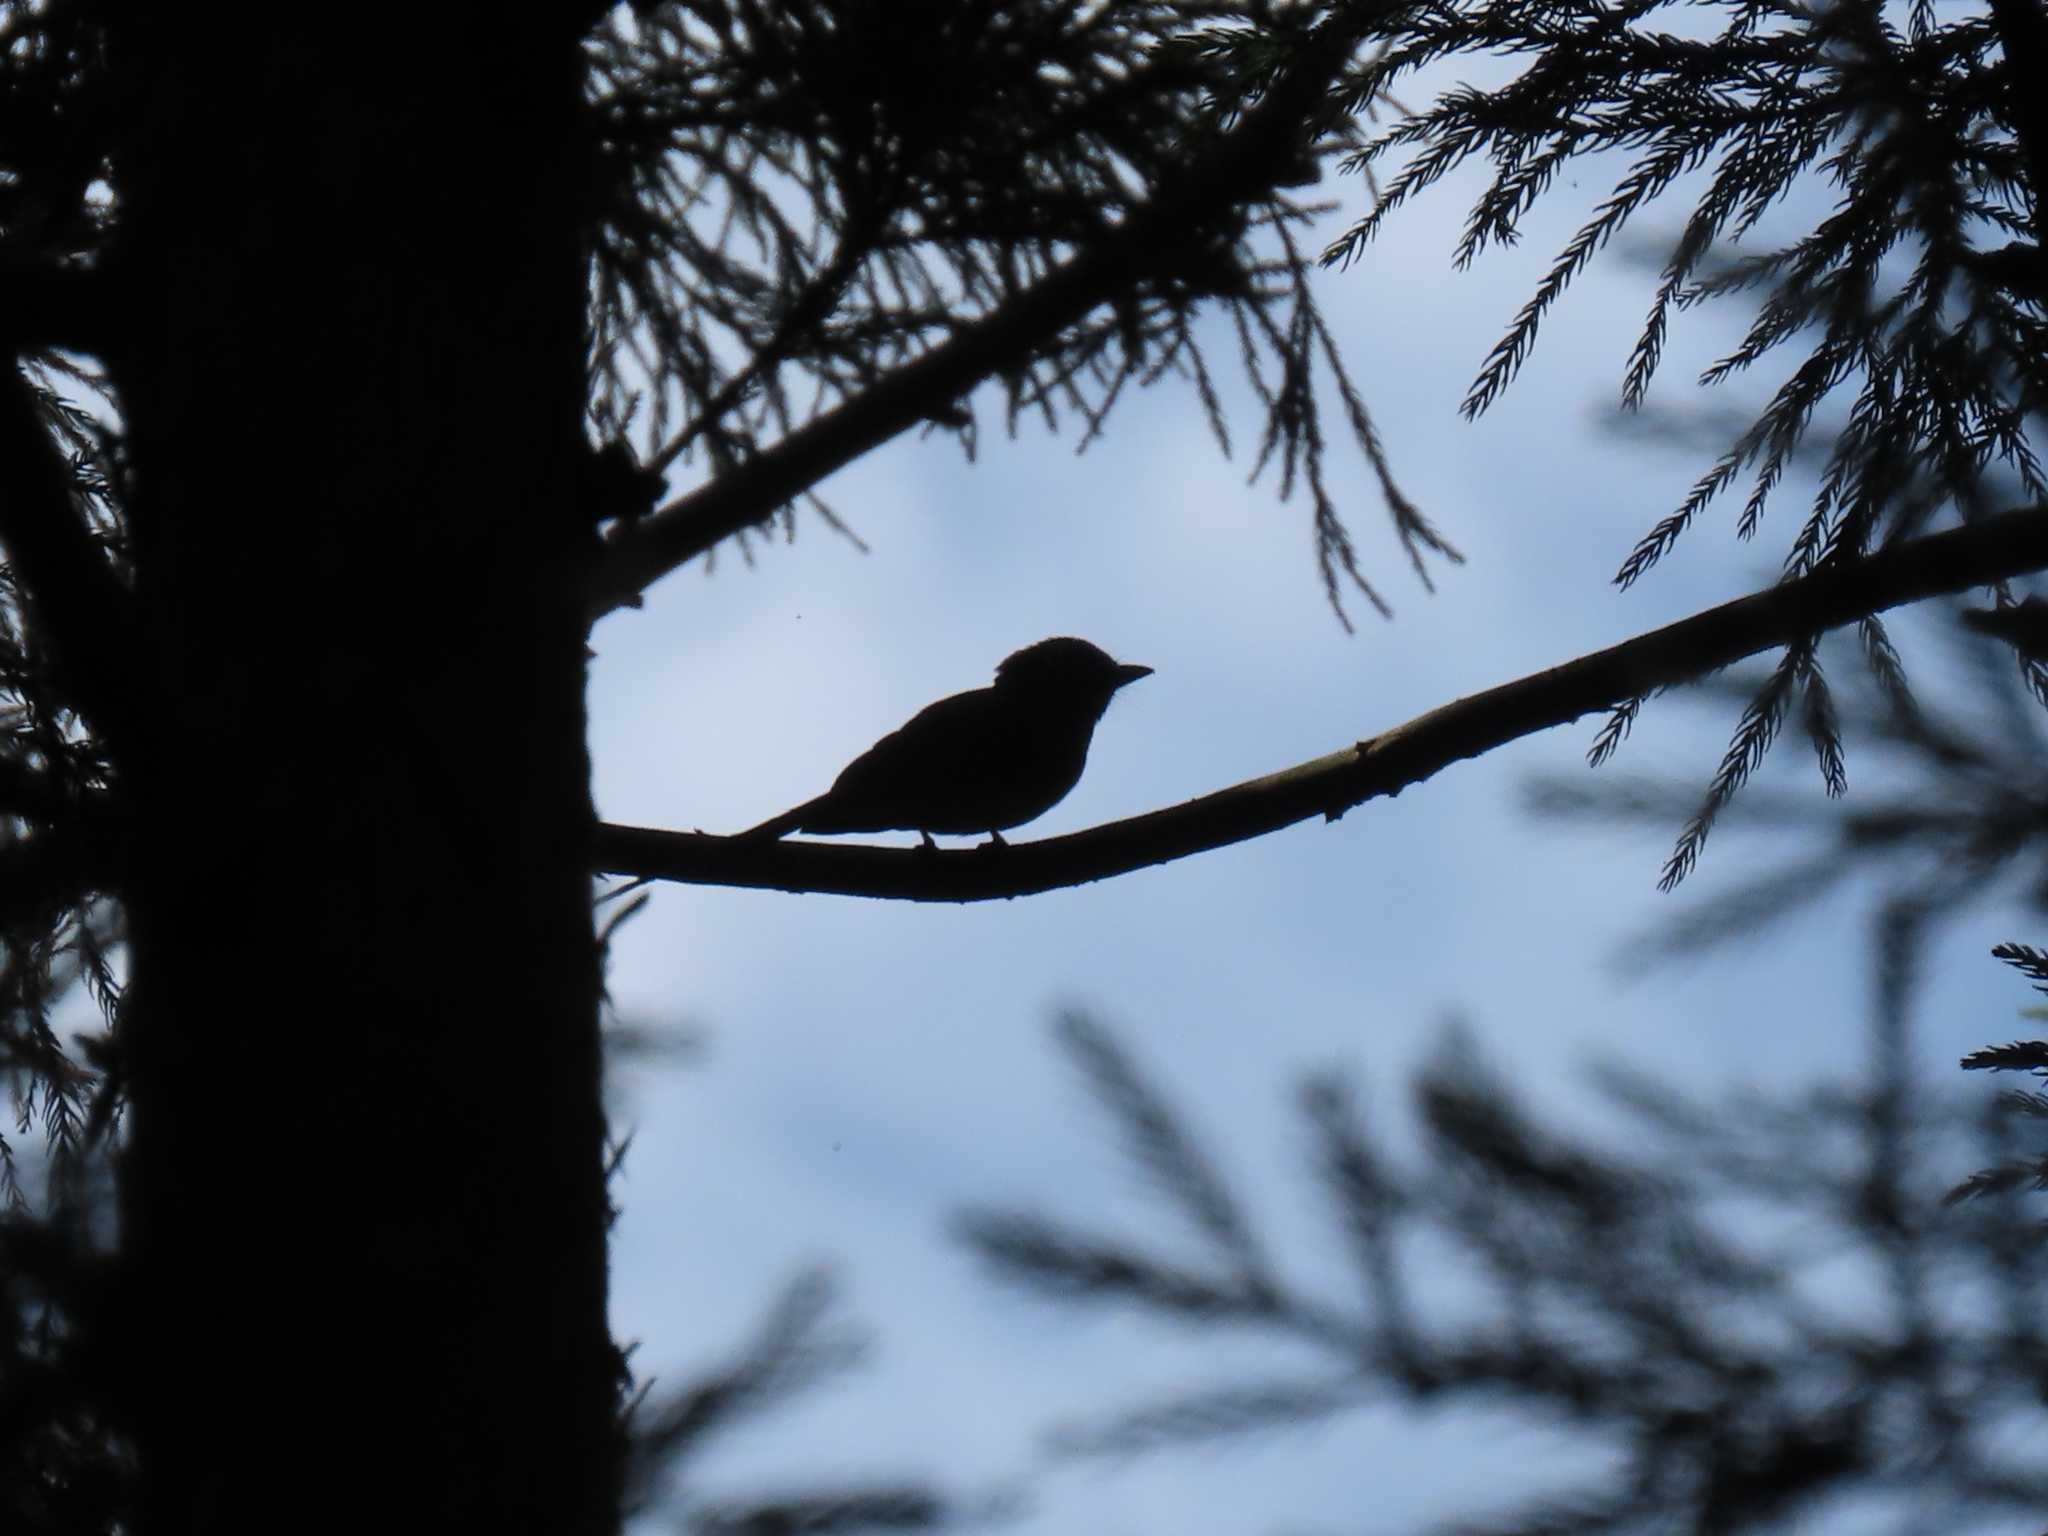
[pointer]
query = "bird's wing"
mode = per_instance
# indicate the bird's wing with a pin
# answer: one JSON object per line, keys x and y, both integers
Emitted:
{"x": 955, "y": 742}
{"x": 913, "y": 777}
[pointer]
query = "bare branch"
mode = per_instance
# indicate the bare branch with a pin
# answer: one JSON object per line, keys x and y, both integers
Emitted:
{"x": 1993, "y": 549}
{"x": 1235, "y": 170}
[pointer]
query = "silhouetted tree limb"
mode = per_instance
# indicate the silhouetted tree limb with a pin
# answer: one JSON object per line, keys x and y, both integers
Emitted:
{"x": 1951, "y": 813}
{"x": 1666, "y": 1300}
{"x": 1201, "y": 199}
{"x": 1904, "y": 301}
{"x": 1987, "y": 552}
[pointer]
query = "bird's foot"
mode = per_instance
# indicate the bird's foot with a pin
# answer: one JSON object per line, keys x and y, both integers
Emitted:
{"x": 927, "y": 846}
{"x": 995, "y": 841}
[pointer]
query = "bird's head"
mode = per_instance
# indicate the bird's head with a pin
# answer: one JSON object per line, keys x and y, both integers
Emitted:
{"x": 1069, "y": 667}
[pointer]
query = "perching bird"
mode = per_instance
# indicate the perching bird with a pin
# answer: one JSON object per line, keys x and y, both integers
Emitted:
{"x": 977, "y": 762}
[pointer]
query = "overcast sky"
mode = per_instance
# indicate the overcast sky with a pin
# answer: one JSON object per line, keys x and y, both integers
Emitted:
{"x": 869, "y": 1067}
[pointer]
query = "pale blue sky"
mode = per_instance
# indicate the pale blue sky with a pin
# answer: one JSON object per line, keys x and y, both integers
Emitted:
{"x": 871, "y": 1066}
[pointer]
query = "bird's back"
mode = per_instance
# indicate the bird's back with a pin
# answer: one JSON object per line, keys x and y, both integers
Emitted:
{"x": 976, "y": 762}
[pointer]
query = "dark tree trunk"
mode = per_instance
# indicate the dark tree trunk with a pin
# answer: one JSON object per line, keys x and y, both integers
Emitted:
{"x": 363, "y": 1192}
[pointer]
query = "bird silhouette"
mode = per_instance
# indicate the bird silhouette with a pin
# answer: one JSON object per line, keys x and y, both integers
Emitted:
{"x": 983, "y": 761}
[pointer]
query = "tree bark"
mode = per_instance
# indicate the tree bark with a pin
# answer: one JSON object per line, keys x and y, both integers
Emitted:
{"x": 362, "y": 1190}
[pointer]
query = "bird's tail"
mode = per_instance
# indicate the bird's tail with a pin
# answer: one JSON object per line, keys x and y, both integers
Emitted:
{"x": 776, "y": 826}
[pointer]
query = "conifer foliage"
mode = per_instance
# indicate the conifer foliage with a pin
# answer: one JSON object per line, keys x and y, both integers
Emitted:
{"x": 347, "y": 371}
{"x": 1864, "y": 181}
{"x": 845, "y": 214}
{"x": 1668, "y": 1300}
{"x": 352, "y": 374}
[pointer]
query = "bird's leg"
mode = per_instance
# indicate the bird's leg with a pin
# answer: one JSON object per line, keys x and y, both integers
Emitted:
{"x": 995, "y": 840}
{"x": 927, "y": 846}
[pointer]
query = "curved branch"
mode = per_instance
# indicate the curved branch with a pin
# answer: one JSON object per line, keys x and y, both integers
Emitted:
{"x": 1239, "y": 167}
{"x": 1991, "y": 550}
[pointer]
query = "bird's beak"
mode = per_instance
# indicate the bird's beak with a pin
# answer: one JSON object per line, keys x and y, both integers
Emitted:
{"x": 1126, "y": 674}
